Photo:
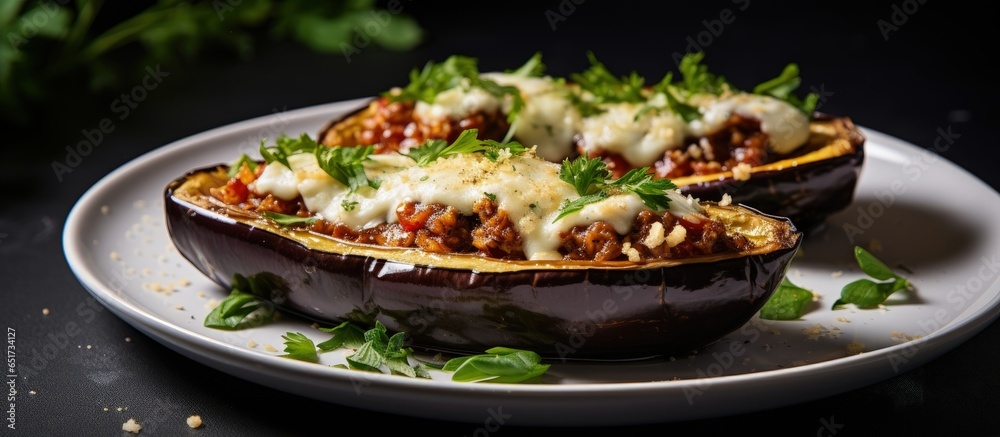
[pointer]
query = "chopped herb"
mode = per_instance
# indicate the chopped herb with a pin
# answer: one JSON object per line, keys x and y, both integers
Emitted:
{"x": 605, "y": 87}
{"x": 286, "y": 146}
{"x": 456, "y": 71}
{"x": 787, "y": 302}
{"x": 497, "y": 365}
{"x": 493, "y": 149}
{"x": 491, "y": 196}
{"x": 348, "y": 205}
{"x": 344, "y": 335}
{"x": 234, "y": 169}
{"x": 300, "y": 347}
{"x": 532, "y": 68}
{"x": 344, "y": 164}
{"x": 866, "y": 293}
{"x": 289, "y": 220}
{"x": 424, "y": 178}
{"x": 466, "y": 142}
{"x": 589, "y": 176}
{"x": 783, "y": 86}
{"x": 696, "y": 79}
{"x": 234, "y": 312}
{"x": 585, "y": 174}
{"x": 431, "y": 150}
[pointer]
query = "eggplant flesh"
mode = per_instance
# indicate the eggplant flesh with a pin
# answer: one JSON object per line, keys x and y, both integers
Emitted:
{"x": 465, "y": 304}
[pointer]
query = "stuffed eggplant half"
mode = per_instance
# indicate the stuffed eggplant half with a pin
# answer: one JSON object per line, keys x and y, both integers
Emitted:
{"x": 766, "y": 148}
{"x": 474, "y": 244}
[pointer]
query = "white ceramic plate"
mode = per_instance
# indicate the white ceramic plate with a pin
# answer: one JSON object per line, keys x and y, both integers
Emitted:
{"x": 913, "y": 209}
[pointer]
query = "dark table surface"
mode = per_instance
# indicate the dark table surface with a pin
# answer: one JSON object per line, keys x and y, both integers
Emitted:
{"x": 928, "y": 71}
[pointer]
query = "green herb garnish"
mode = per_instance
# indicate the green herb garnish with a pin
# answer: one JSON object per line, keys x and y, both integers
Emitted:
{"x": 783, "y": 86}
{"x": 344, "y": 335}
{"x": 866, "y": 293}
{"x": 348, "y": 205}
{"x": 466, "y": 142}
{"x": 589, "y": 176}
{"x": 288, "y": 220}
{"x": 605, "y": 87}
{"x": 787, "y": 302}
{"x": 431, "y": 150}
{"x": 300, "y": 347}
{"x": 696, "y": 79}
{"x": 491, "y": 196}
{"x": 286, "y": 146}
{"x": 456, "y": 71}
{"x": 498, "y": 365}
{"x": 345, "y": 165}
{"x": 234, "y": 169}
{"x": 233, "y": 312}
{"x": 532, "y": 68}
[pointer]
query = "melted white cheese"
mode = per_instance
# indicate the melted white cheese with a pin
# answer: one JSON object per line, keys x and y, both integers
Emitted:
{"x": 547, "y": 120}
{"x": 641, "y": 141}
{"x": 458, "y": 103}
{"x": 786, "y": 126}
{"x": 526, "y": 187}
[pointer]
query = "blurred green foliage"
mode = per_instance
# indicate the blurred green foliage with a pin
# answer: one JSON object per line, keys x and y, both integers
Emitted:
{"x": 49, "y": 44}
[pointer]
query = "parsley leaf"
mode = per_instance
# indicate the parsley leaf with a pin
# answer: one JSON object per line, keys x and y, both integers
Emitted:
{"x": 589, "y": 176}
{"x": 497, "y": 365}
{"x": 286, "y": 146}
{"x": 493, "y": 149}
{"x": 431, "y": 150}
{"x": 300, "y": 347}
{"x": 866, "y": 293}
{"x": 344, "y": 164}
{"x": 532, "y": 68}
{"x": 605, "y": 87}
{"x": 234, "y": 168}
{"x": 787, "y": 302}
{"x": 783, "y": 86}
{"x": 344, "y": 335}
{"x": 234, "y": 312}
{"x": 466, "y": 142}
{"x": 289, "y": 220}
{"x": 456, "y": 71}
{"x": 695, "y": 77}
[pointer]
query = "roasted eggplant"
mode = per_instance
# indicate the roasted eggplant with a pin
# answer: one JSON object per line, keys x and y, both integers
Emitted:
{"x": 466, "y": 303}
{"x": 712, "y": 139}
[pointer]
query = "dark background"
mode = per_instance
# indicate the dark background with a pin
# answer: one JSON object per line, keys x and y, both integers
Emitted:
{"x": 930, "y": 73}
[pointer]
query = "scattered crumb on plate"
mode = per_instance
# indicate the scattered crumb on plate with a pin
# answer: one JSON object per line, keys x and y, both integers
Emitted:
{"x": 131, "y": 426}
{"x": 45, "y": 311}
{"x": 836, "y": 274}
{"x": 105, "y": 209}
{"x": 251, "y": 344}
{"x": 843, "y": 319}
{"x": 855, "y": 347}
{"x": 269, "y": 348}
{"x": 115, "y": 256}
{"x": 194, "y": 421}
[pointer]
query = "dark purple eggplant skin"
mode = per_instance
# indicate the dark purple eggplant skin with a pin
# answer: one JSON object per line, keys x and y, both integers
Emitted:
{"x": 583, "y": 314}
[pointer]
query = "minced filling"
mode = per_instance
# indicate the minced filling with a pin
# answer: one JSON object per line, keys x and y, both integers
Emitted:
{"x": 468, "y": 204}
